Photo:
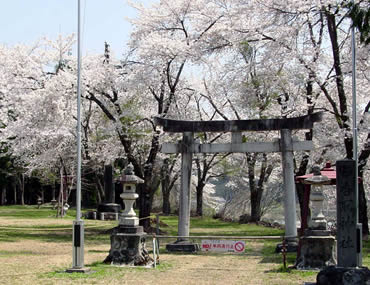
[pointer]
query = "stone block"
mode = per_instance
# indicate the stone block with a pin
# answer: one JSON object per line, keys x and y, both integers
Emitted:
{"x": 316, "y": 252}
{"x": 334, "y": 275}
{"x": 183, "y": 246}
{"x": 128, "y": 221}
{"x": 105, "y": 216}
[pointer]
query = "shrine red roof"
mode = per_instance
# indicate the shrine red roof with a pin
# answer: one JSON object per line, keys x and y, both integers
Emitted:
{"x": 327, "y": 171}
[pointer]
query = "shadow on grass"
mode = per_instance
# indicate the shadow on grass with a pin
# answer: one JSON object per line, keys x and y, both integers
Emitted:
{"x": 94, "y": 236}
{"x": 282, "y": 270}
{"x": 99, "y": 271}
{"x": 270, "y": 256}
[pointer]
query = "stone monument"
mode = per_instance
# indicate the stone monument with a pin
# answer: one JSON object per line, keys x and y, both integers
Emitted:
{"x": 349, "y": 269}
{"x": 128, "y": 238}
{"x": 317, "y": 244}
{"x": 108, "y": 210}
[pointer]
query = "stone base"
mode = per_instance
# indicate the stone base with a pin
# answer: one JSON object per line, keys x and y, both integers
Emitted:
{"x": 318, "y": 250}
{"x": 108, "y": 216}
{"x": 109, "y": 208}
{"x": 128, "y": 247}
{"x": 333, "y": 275}
{"x": 183, "y": 246}
{"x": 290, "y": 246}
{"x": 128, "y": 221}
{"x": 79, "y": 270}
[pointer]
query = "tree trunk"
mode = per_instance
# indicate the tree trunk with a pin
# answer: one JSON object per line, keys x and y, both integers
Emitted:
{"x": 3, "y": 195}
{"x": 145, "y": 206}
{"x": 14, "y": 180}
{"x": 255, "y": 206}
{"x": 343, "y": 119}
{"x": 100, "y": 190}
{"x": 165, "y": 185}
{"x": 199, "y": 211}
{"x": 362, "y": 161}
{"x": 308, "y": 136}
{"x": 21, "y": 183}
{"x": 42, "y": 195}
{"x": 166, "y": 207}
{"x": 362, "y": 211}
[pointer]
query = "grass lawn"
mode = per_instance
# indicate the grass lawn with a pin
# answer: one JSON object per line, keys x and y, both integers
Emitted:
{"x": 36, "y": 248}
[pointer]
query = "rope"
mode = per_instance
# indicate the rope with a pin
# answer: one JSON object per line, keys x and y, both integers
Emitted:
{"x": 56, "y": 229}
{"x": 228, "y": 237}
{"x": 148, "y": 217}
{"x": 44, "y": 229}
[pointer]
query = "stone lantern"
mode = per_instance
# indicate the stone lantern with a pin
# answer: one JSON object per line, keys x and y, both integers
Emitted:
{"x": 318, "y": 221}
{"x": 129, "y": 181}
{"x": 317, "y": 245}
{"x": 128, "y": 238}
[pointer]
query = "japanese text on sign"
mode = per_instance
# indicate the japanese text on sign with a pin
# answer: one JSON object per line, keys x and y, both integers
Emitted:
{"x": 223, "y": 246}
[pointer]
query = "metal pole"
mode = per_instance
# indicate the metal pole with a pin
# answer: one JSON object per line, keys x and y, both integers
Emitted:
{"x": 78, "y": 224}
{"x": 355, "y": 144}
{"x": 354, "y": 113}
{"x": 78, "y": 193}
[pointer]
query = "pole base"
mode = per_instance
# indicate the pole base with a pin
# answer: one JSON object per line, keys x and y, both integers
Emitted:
{"x": 79, "y": 270}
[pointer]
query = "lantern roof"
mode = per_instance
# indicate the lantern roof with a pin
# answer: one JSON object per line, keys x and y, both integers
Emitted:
{"x": 129, "y": 177}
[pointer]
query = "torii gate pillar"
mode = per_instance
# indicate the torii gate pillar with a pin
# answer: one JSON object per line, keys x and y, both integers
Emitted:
{"x": 183, "y": 244}
{"x": 290, "y": 213}
{"x": 185, "y": 193}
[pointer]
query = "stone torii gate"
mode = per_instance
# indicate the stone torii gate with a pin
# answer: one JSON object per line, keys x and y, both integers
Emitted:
{"x": 286, "y": 145}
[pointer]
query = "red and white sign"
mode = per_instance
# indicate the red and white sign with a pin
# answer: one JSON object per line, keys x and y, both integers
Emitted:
{"x": 223, "y": 245}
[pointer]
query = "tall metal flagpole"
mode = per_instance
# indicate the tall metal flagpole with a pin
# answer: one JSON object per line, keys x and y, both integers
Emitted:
{"x": 78, "y": 224}
{"x": 354, "y": 110}
{"x": 355, "y": 141}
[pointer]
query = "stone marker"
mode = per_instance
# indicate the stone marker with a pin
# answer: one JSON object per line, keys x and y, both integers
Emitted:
{"x": 346, "y": 214}
{"x": 349, "y": 237}
{"x": 109, "y": 209}
{"x": 108, "y": 184}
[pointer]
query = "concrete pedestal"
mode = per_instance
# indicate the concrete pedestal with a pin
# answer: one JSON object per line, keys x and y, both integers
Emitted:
{"x": 128, "y": 247}
{"x": 318, "y": 250}
{"x": 183, "y": 246}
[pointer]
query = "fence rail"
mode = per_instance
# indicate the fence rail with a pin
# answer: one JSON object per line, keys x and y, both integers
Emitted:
{"x": 228, "y": 237}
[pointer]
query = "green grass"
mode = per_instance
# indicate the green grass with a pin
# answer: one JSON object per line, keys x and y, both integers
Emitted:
{"x": 96, "y": 233}
{"x": 101, "y": 271}
{"x": 208, "y": 226}
{"x": 32, "y": 212}
{"x": 366, "y": 253}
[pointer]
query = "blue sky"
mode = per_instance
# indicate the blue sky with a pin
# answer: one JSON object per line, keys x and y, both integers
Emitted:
{"x": 26, "y": 21}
